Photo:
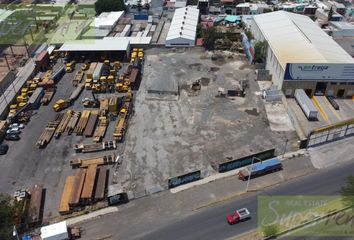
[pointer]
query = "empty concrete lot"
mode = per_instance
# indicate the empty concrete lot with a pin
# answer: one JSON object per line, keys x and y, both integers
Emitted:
{"x": 172, "y": 135}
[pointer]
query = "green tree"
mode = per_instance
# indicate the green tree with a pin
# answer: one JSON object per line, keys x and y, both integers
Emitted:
{"x": 209, "y": 36}
{"x": 267, "y": 10}
{"x": 260, "y": 50}
{"x": 269, "y": 231}
{"x": 330, "y": 14}
{"x": 347, "y": 191}
{"x": 7, "y": 217}
{"x": 109, "y": 5}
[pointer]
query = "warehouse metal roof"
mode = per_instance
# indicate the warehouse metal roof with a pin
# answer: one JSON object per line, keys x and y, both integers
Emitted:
{"x": 295, "y": 38}
{"x": 117, "y": 44}
{"x": 184, "y": 23}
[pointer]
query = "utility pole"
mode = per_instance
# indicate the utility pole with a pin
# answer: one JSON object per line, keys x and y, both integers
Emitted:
{"x": 249, "y": 172}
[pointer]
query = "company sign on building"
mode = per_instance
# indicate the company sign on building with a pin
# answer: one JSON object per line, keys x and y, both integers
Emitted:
{"x": 320, "y": 71}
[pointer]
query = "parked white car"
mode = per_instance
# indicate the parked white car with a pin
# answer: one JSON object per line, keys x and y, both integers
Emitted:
{"x": 17, "y": 125}
{"x": 13, "y": 131}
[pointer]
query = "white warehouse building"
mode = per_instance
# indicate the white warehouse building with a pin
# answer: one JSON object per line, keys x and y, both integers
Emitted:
{"x": 301, "y": 55}
{"x": 183, "y": 28}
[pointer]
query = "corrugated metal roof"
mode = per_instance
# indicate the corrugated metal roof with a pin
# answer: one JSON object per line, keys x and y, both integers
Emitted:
{"x": 295, "y": 38}
{"x": 184, "y": 23}
{"x": 116, "y": 44}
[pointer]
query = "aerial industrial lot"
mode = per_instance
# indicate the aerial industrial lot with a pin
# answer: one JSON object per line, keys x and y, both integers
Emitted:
{"x": 173, "y": 120}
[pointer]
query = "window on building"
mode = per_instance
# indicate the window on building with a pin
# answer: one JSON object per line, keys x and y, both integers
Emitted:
{"x": 333, "y": 83}
{"x": 343, "y": 83}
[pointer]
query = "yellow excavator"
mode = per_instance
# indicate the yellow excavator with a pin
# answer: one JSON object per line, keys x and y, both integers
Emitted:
{"x": 61, "y": 104}
{"x": 91, "y": 103}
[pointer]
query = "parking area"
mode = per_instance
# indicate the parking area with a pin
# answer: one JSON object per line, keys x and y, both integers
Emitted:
{"x": 326, "y": 113}
{"x": 171, "y": 135}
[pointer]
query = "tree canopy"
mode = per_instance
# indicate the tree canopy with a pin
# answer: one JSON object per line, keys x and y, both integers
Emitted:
{"x": 347, "y": 191}
{"x": 7, "y": 217}
{"x": 109, "y": 5}
{"x": 260, "y": 50}
{"x": 209, "y": 36}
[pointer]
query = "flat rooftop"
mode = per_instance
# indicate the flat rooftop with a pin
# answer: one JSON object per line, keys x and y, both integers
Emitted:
{"x": 116, "y": 44}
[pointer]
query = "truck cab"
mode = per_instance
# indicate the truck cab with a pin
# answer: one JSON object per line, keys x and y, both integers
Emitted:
{"x": 238, "y": 216}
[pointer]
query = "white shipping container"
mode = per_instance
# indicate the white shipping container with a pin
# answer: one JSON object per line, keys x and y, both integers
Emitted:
{"x": 306, "y": 104}
{"x": 57, "y": 231}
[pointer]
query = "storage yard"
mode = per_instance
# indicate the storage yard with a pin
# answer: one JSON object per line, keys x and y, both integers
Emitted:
{"x": 68, "y": 126}
{"x": 171, "y": 135}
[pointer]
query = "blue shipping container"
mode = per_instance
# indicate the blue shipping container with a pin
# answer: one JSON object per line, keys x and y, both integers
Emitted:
{"x": 141, "y": 17}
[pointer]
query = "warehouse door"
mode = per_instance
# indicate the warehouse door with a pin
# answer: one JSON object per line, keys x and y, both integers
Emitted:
{"x": 320, "y": 88}
{"x": 340, "y": 93}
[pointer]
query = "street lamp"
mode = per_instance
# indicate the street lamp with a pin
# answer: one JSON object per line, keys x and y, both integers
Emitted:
{"x": 249, "y": 172}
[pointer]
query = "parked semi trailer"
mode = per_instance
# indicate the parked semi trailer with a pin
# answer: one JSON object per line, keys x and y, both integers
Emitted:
{"x": 306, "y": 104}
{"x": 101, "y": 160}
{"x": 95, "y": 147}
{"x": 35, "y": 206}
{"x": 260, "y": 168}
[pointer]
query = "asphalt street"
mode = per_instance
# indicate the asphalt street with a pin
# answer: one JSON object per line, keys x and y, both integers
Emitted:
{"x": 210, "y": 223}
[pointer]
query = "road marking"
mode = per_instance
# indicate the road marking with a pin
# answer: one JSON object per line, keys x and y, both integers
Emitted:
{"x": 332, "y": 109}
{"x": 324, "y": 115}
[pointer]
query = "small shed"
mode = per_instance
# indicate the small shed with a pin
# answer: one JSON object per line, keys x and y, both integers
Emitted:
{"x": 56, "y": 231}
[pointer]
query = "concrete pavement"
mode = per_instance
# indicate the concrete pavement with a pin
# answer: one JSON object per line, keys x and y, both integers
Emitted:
{"x": 142, "y": 216}
{"x": 324, "y": 156}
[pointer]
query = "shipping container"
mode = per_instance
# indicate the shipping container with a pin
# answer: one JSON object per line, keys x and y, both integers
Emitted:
{"x": 35, "y": 99}
{"x": 76, "y": 93}
{"x": 42, "y": 61}
{"x": 87, "y": 191}
{"x": 101, "y": 185}
{"x": 306, "y": 104}
{"x": 66, "y": 195}
{"x": 141, "y": 17}
{"x": 57, "y": 73}
{"x": 91, "y": 70}
{"x": 77, "y": 187}
{"x": 97, "y": 72}
{"x": 35, "y": 206}
{"x": 133, "y": 77}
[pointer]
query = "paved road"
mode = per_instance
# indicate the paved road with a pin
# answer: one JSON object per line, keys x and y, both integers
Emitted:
{"x": 210, "y": 223}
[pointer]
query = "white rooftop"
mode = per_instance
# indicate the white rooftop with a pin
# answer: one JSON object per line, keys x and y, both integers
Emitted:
{"x": 132, "y": 40}
{"x": 295, "y": 38}
{"x": 184, "y": 23}
{"x": 57, "y": 229}
{"x": 106, "y": 19}
{"x": 96, "y": 45}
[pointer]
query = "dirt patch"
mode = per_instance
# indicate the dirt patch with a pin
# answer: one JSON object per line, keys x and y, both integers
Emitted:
{"x": 218, "y": 59}
{"x": 245, "y": 66}
{"x": 195, "y": 66}
{"x": 252, "y": 112}
{"x": 214, "y": 69}
{"x": 205, "y": 81}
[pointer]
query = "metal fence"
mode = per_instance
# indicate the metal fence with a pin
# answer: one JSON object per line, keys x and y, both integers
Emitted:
{"x": 331, "y": 133}
{"x": 241, "y": 162}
